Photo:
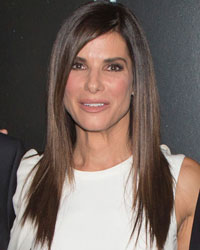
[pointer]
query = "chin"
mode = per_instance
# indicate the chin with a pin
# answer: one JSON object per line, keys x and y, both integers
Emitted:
{"x": 93, "y": 127}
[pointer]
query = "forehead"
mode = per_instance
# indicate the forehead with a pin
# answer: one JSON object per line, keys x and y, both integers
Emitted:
{"x": 110, "y": 44}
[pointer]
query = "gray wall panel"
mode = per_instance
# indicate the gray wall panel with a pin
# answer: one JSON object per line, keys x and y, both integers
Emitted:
{"x": 173, "y": 32}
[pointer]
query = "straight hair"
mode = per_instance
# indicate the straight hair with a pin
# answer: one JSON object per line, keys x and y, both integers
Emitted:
{"x": 152, "y": 180}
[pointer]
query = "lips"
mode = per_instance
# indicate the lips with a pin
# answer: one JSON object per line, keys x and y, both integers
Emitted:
{"x": 94, "y": 106}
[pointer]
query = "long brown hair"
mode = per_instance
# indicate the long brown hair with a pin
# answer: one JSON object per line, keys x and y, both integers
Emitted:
{"x": 152, "y": 188}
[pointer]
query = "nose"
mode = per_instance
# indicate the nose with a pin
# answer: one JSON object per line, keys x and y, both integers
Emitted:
{"x": 94, "y": 82}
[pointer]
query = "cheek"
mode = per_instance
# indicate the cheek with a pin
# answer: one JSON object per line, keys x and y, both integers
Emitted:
{"x": 72, "y": 89}
{"x": 122, "y": 88}
{"x": 69, "y": 94}
{"x": 71, "y": 84}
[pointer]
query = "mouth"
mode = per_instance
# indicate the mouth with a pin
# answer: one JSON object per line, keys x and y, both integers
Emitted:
{"x": 94, "y": 106}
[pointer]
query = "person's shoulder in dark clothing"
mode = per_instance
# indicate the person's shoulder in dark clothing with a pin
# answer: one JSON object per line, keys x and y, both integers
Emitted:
{"x": 11, "y": 152}
{"x": 195, "y": 237}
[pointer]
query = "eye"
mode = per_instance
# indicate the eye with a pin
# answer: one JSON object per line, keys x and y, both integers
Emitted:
{"x": 78, "y": 66}
{"x": 115, "y": 67}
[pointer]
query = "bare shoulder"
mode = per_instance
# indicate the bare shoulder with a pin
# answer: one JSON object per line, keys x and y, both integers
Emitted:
{"x": 187, "y": 191}
{"x": 189, "y": 178}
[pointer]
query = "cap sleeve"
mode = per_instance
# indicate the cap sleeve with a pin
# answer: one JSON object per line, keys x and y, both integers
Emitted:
{"x": 27, "y": 164}
{"x": 175, "y": 161}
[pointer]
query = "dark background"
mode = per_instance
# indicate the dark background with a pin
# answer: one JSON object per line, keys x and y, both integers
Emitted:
{"x": 28, "y": 29}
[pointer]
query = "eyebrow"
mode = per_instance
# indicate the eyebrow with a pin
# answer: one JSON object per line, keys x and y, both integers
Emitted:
{"x": 81, "y": 59}
{"x": 113, "y": 59}
{"x": 108, "y": 60}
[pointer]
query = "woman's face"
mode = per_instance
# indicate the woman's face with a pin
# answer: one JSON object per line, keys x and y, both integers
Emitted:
{"x": 99, "y": 87}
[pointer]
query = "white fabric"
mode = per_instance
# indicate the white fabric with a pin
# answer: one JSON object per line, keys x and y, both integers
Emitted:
{"x": 94, "y": 215}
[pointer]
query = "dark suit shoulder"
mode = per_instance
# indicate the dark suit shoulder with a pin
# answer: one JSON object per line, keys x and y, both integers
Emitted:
{"x": 195, "y": 237}
{"x": 10, "y": 143}
{"x": 11, "y": 152}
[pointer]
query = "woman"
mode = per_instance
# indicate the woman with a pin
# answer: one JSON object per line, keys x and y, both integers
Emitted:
{"x": 103, "y": 181}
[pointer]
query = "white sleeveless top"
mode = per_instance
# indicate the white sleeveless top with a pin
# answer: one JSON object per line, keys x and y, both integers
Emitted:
{"x": 95, "y": 214}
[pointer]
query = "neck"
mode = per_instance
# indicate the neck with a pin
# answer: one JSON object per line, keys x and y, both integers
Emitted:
{"x": 101, "y": 150}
